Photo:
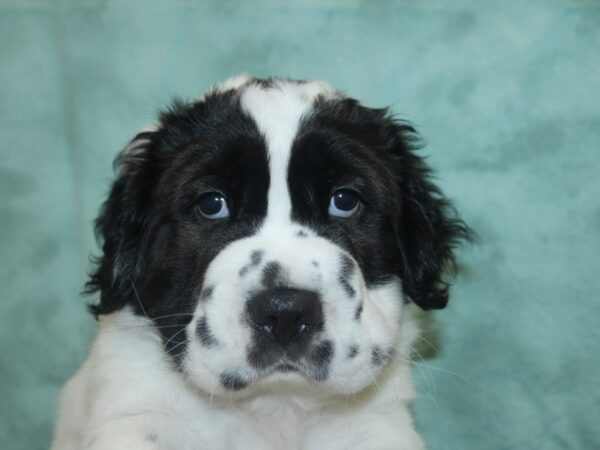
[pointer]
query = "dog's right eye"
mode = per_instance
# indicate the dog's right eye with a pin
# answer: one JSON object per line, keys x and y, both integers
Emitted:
{"x": 213, "y": 205}
{"x": 344, "y": 203}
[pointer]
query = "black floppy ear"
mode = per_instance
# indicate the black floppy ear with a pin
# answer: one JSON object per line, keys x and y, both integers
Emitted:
{"x": 428, "y": 227}
{"x": 120, "y": 227}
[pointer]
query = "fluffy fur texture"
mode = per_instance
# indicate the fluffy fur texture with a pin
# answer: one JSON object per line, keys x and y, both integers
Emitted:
{"x": 260, "y": 250}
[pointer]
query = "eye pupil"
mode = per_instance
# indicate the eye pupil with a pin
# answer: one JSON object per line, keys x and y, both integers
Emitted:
{"x": 344, "y": 203}
{"x": 212, "y": 205}
{"x": 345, "y": 200}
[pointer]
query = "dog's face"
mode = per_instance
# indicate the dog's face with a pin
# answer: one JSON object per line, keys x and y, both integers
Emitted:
{"x": 272, "y": 232}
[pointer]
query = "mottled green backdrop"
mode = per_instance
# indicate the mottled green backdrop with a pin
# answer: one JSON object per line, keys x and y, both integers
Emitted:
{"x": 506, "y": 93}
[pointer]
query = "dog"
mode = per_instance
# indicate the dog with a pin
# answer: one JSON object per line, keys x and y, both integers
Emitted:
{"x": 263, "y": 249}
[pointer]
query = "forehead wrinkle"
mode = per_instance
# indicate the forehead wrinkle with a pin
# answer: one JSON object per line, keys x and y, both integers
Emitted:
{"x": 278, "y": 111}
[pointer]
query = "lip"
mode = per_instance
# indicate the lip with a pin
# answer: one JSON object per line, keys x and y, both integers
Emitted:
{"x": 286, "y": 367}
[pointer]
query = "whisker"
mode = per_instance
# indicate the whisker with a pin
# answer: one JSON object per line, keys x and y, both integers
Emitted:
{"x": 423, "y": 363}
{"x": 117, "y": 328}
{"x": 171, "y": 315}
{"x": 174, "y": 336}
{"x": 176, "y": 357}
{"x": 138, "y": 297}
{"x": 430, "y": 379}
{"x": 428, "y": 394}
{"x": 430, "y": 387}
{"x": 185, "y": 341}
{"x": 449, "y": 372}
{"x": 428, "y": 342}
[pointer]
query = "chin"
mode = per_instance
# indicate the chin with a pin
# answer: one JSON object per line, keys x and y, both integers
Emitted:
{"x": 264, "y": 249}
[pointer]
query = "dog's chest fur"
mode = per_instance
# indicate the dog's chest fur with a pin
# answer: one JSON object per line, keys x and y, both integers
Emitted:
{"x": 132, "y": 391}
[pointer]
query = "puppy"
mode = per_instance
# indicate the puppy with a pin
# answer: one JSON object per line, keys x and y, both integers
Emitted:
{"x": 261, "y": 247}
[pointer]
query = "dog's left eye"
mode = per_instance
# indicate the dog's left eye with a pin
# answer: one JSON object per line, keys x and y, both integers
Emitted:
{"x": 344, "y": 203}
{"x": 213, "y": 205}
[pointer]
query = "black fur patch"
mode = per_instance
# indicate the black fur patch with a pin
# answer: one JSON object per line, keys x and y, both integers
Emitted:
{"x": 265, "y": 83}
{"x": 233, "y": 381}
{"x": 272, "y": 275}
{"x": 380, "y": 356}
{"x": 345, "y": 275}
{"x": 156, "y": 245}
{"x": 207, "y": 293}
{"x": 255, "y": 259}
{"x": 301, "y": 233}
{"x": 203, "y": 331}
{"x": 321, "y": 357}
{"x": 358, "y": 312}
{"x": 352, "y": 351}
{"x": 404, "y": 228}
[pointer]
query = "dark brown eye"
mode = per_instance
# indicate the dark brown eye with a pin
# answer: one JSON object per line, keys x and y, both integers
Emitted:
{"x": 213, "y": 205}
{"x": 344, "y": 203}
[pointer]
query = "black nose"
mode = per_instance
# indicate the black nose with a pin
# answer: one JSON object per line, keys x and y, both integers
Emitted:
{"x": 286, "y": 314}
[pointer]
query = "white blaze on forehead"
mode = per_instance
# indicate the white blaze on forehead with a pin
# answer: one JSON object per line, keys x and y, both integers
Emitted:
{"x": 277, "y": 111}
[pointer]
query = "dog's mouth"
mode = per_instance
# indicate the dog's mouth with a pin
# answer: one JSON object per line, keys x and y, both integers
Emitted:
{"x": 300, "y": 368}
{"x": 285, "y": 367}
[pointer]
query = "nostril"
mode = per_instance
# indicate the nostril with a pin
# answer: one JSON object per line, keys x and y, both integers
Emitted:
{"x": 270, "y": 323}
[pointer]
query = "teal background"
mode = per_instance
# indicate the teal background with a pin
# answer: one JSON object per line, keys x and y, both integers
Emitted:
{"x": 506, "y": 93}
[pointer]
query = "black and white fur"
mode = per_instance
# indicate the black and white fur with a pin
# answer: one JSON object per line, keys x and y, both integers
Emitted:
{"x": 180, "y": 360}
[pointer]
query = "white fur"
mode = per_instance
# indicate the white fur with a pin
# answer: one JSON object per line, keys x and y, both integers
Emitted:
{"x": 127, "y": 392}
{"x": 277, "y": 111}
{"x": 128, "y": 395}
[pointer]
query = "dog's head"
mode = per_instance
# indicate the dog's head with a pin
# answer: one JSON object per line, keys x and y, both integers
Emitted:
{"x": 272, "y": 231}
